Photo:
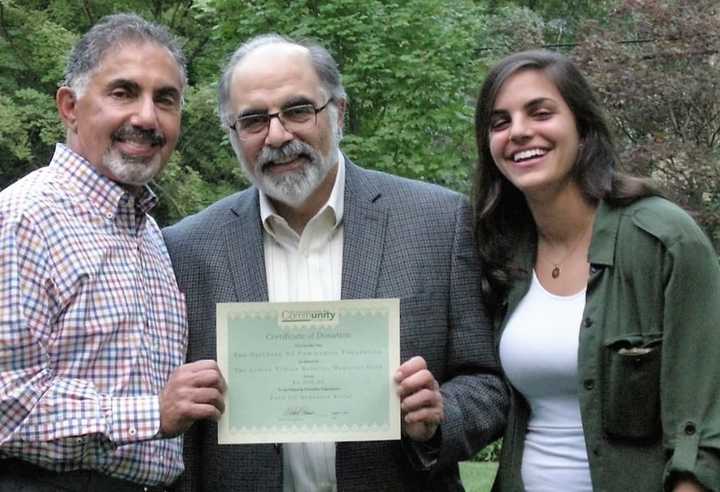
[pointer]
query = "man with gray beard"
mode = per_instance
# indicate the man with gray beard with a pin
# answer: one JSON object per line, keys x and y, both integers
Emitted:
{"x": 316, "y": 227}
{"x": 94, "y": 395}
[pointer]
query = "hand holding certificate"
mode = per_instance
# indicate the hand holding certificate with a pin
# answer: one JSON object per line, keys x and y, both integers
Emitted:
{"x": 304, "y": 372}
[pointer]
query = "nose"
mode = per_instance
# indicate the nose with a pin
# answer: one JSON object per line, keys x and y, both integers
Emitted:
{"x": 145, "y": 115}
{"x": 520, "y": 129}
{"x": 277, "y": 134}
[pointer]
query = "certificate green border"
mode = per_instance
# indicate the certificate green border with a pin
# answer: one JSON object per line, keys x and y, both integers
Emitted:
{"x": 309, "y": 371}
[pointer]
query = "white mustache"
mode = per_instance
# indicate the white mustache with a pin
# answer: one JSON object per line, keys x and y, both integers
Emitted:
{"x": 287, "y": 152}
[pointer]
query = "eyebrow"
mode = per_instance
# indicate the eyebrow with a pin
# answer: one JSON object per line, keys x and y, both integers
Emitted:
{"x": 125, "y": 83}
{"x": 532, "y": 104}
{"x": 291, "y": 102}
{"x": 134, "y": 86}
{"x": 539, "y": 102}
{"x": 168, "y": 91}
{"x": 297, "y": 101}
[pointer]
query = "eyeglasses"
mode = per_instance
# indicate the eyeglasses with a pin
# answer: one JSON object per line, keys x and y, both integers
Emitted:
{"x": 294, "y": 118}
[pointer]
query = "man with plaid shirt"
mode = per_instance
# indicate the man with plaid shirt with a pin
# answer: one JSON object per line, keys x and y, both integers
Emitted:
{"x": 93, "y": 330}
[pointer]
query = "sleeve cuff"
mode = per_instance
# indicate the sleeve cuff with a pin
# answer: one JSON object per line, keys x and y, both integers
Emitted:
{"x": 423, "y": 455}
{"x": 132, "y": 419}
{"x": 689, "y": 459}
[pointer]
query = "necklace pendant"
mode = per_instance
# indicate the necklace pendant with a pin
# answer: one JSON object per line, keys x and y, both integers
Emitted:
{"x": 556, "y": 271}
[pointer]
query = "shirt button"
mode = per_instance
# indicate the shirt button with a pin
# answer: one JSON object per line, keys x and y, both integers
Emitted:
{"x": 132, "y": 431}
{"x": 690, "y": 428}
{"x": 589, "y": 384}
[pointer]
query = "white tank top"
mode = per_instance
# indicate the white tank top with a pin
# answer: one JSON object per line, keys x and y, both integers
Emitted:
{"x": 538, "y": 351}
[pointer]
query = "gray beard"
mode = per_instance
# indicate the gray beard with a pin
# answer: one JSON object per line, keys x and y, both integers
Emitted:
{"x": 131, "y": 171}
{"x": 292, "y": 189}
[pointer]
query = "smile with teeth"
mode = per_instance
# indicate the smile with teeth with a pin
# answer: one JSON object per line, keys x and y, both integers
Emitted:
{"x": 287, "y": 160}
{"x": 528, "y": 154}
{"x": 133, "y": 147}
{"x": 285, "y": 163}
{"x": 137, "y": 143}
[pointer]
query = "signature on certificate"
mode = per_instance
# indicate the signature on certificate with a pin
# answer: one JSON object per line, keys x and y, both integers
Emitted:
{"x": 298, "y": 411}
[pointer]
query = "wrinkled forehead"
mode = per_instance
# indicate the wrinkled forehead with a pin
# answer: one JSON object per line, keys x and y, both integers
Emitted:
{"x": 114, "y": 58}
{"x": 272, "y": 72}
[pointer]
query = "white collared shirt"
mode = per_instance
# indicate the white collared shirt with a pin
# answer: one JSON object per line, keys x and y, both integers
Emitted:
{"x": 306, "y": 267}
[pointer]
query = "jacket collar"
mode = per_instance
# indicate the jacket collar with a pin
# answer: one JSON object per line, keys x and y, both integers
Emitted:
{"x": 364, "y": 221}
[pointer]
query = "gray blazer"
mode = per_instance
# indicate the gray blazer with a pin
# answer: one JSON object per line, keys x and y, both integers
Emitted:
{"x": 402, "y": 239}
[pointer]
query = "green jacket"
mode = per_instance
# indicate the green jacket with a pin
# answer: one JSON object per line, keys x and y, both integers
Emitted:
{"x": 648, "y": 357}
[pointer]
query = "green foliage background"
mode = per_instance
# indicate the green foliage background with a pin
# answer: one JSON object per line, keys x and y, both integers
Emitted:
{"x": 412, "y": 70}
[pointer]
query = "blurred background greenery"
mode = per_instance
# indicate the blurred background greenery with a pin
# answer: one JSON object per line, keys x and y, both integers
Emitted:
{"x": 412, "y": 71}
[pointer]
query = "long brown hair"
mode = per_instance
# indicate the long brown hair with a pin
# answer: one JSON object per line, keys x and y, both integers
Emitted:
{"x": 503, "y": 222}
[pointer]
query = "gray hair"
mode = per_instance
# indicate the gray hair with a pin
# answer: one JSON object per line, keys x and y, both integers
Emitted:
{"x": 108, "y": 33}
{"x": 324, "y": 64}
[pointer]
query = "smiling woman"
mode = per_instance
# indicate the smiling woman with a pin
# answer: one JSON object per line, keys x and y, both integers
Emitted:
{"x": 599, "y": 289}
{"x": 533, "y": 137}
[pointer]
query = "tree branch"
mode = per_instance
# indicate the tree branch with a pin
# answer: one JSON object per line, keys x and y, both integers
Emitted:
{"x": 11, "y": 42}
{"x": 88, "y": 11}
{"x": 621, "y": 125}
{"x": 186, "y": 6}
{"x": 676, "y": 127}
{"x": 157, "y": 9}
{"x": 714, "y": 137}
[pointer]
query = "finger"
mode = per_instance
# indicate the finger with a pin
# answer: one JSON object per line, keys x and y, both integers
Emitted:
{"x": 199, "y": 411}
{"x": 201, "y": 365}
{"x": 207, "y": 395}
{"x": 207, "y": 378}
{"x": 428, "y": 415}
{"x": 422, "y": 399}
{"x": 410, "y": 367}
{"x": 223, "y": 384}
{"x": 416, "y": 382}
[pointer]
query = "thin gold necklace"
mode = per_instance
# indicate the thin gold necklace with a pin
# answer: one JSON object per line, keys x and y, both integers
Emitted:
{"x": 556, "y": 265}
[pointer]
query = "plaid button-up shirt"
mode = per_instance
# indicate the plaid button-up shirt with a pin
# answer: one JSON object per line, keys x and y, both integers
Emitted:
{"x": 91, "y": 325}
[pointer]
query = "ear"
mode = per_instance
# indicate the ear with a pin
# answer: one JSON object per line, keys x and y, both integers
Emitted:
{"x": 67, "y": 107}
{"x": 341, "y": 106}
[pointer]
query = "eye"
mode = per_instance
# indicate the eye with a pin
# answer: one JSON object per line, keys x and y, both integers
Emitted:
{"x": 498, "y": 124}
{"x": 298, "y": 114}
{"x": 542, "y": 114}
{"x": 120, "y": 93}
{"x": 168, "y": 100}
{"x": 253, "y": 123}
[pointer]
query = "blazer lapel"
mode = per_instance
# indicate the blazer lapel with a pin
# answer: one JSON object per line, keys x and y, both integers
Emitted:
{"x": 244, "y": 249}
{"x": 365, "y": 221}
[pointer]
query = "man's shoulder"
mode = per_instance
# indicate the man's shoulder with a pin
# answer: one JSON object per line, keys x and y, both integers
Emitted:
{"x": 402, "y": 189}
{"x": 214, "y": 216}
{"x": 29, "y": 195}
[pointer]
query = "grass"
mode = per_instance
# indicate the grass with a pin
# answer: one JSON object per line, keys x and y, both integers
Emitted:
{"x": 477, "y": 476}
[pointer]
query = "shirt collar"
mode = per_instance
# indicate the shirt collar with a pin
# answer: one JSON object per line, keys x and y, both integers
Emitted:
{"x": 602, "y": 245}
{"x": 602, "y": 249}
{"x": 105, "y": 194}
{"x": 605, "y": 230}
{"x": 335, "y": 203}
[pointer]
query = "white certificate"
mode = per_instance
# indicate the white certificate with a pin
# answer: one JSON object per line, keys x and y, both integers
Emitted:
{"x": 309, "y": 371}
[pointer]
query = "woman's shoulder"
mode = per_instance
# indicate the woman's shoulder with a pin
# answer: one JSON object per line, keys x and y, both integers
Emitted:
{"x": 662, "y": 219}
